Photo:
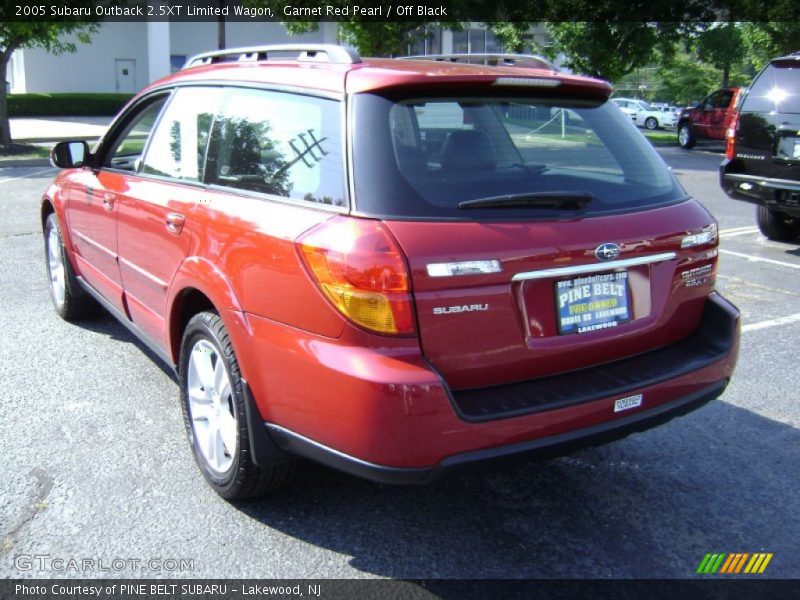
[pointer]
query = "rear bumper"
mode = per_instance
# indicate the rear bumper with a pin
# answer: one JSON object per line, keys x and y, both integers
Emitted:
{"x": 782, "y": 195}
{"x": 386, "y": 415}
{"x": 547, "y": 447}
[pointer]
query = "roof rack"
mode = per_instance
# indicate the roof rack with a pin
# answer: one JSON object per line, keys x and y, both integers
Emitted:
{"x": 489, "y": 59}
{"x": 305, "y": 52}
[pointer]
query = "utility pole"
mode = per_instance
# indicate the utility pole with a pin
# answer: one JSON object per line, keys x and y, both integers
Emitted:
{"x": 221, "y": 26}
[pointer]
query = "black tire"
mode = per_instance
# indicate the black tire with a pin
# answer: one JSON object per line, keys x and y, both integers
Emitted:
{"x": 685, "y": 136}
{"x": 75, "y": 303}
{"x": 777, "y": 226}
{"x": 243, "y": 478}
{"x": 651, "y": 123}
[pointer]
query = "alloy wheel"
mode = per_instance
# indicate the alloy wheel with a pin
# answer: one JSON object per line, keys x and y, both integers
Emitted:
{"x": 55, "y": 266}
{"x": 683, "y": 135}
{"x": 211, "y": 405}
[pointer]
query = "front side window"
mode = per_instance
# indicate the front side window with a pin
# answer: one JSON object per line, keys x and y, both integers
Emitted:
{"x": 281, "y": 144}
{"x": 461, "y": 157}
{"x": 125, "y": 151}
{"x": 710, "y": 101}
{"x": 178, "y": 148}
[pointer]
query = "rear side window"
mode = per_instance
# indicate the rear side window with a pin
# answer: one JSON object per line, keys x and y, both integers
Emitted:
{"x": 776, "y": 89}
{"x": 178, "y": 147}
{"x": 281, "y": 144}
{"x": 423, "y": 157}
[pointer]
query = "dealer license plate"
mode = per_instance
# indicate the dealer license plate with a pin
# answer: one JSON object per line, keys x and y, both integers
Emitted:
{"x": 592, "y": 302}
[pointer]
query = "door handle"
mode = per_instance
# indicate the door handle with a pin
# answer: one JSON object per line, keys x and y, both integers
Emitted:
{"x": 174, "y": 223}
{"x": 108, "y": 201}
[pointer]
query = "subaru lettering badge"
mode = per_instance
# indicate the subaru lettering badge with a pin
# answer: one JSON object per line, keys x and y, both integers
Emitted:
{"x": 607, "y": 251}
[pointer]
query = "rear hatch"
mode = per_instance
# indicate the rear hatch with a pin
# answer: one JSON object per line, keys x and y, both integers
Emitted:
{"x": 543, "y": 233}
{"x": 550, "y": 305}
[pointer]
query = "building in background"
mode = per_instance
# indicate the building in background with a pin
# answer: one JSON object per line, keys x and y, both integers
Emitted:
{"x": 125, "y": 57}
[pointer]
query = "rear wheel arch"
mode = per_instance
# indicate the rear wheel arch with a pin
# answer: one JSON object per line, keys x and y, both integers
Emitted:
{"x": 187, "y": 303}
{"x": 197, "y": 286}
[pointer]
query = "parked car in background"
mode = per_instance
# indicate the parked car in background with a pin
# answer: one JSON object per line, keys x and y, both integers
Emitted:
{"x": 709, "y": 118}
{"x": 396, "y": 268}
{"x": 673, "y": 110}
{"x": 644, "y": 115}
{"x": 629, "y": 106}
{"x": 762, "y": 151}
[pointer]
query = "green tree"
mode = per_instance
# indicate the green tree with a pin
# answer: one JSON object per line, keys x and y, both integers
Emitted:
{"x": 40, "y": 34}
{"x": 765, "y": 40}
{"x": 611, "y": 49}
{"x": 514, "y": 35}
{"x": 719, "y": 45}
{"x": 685, "y": 80}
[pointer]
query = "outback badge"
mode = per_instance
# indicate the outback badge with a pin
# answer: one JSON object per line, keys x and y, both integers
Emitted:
{"x": 607, "y": 251}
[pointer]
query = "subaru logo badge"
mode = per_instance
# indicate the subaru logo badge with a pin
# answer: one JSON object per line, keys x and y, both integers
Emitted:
{"x": 607, "y": 251}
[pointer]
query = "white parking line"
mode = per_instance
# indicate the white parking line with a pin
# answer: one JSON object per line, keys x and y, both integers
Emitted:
{"x": 735, "y": 229}
{"x": 26, "y": 176}
{"x": 795, "y": 318}
{"x": 729, "y": 233}
{"x": 759, "y": 259}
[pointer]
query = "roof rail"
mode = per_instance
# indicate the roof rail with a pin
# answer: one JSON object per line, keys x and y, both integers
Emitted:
{"x": 305, "y": 52}
{"x": 489, "y": 59}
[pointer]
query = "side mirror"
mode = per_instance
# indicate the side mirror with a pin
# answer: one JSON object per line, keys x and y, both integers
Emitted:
{"x": 69, "y": 155}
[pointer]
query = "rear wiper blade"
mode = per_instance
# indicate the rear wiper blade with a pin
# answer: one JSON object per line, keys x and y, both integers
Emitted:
{"x": 563, "y": 200}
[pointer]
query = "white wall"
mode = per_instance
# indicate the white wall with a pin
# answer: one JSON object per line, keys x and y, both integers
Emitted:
{"x": 92, "y": 67}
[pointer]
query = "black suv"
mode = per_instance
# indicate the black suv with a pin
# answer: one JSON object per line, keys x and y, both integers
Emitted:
{"x": 762, "y": 152}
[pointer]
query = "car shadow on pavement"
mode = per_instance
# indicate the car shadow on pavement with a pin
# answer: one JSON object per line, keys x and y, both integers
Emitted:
{"x": 722, "y": 479}
{"x": 794, "y": 251}
{"x": 106, "y": 324}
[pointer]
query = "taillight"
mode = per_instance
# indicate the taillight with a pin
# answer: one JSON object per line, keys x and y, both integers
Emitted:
{"x": 361, "y": 270}
{"x": 730, "y": 137}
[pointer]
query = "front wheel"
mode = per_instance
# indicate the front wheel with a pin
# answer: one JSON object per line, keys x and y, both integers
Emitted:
{"x": 69, "y": 300}
{"x": 214, "y": 412}
{"x": 685, "y": 136}
{"x": 651, "y": 123}
{"x": 777, "y": 226}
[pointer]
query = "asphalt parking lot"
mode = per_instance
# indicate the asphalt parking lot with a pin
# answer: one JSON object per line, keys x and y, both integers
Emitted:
{"x": 97, "y": 467}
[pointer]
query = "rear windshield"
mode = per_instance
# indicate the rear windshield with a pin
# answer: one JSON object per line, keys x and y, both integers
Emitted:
{"x": 776, "y": 89}
{"x": 423, "y": 157}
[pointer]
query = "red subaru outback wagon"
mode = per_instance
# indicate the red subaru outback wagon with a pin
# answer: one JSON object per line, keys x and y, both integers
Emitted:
{"x": 395, "y": 268}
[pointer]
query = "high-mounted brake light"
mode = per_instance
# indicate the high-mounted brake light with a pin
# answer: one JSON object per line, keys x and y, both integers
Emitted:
{"x": 361, "y": 270}
{"x": 527, "y": 82}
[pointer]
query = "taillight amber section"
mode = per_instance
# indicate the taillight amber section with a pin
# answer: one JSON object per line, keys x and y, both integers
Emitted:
{"x": 361, "y": 270}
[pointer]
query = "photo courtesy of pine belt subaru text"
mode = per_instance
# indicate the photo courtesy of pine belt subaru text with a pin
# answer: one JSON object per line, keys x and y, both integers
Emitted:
{"x": 397, "y": 268}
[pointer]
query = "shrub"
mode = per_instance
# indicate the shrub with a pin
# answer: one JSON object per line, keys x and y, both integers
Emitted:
{"x": 65, "y": 105}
